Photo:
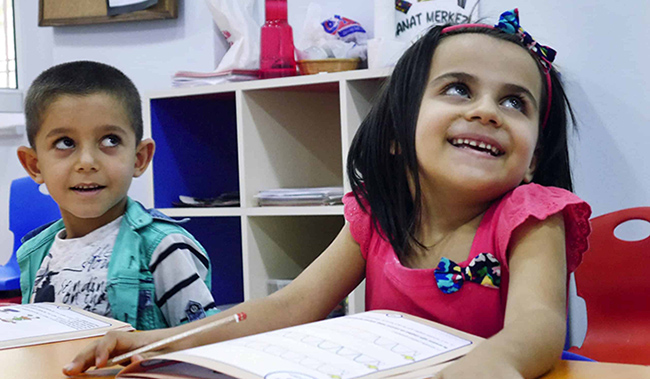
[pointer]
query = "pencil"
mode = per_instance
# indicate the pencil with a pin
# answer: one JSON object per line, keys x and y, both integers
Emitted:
{"x": 166, "y": 341}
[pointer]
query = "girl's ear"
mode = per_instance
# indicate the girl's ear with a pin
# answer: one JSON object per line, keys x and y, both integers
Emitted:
{"x": 395, "y": 149}
{"x": 528, "y": 176}
{"x": 143, "y": 156}
{"x": 28, "y": 158}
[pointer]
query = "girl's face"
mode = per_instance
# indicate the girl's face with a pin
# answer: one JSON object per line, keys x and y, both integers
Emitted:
{"x": 478, "y": 123}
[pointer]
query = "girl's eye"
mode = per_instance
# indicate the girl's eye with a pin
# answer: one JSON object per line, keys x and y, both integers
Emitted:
{"x": 111, "y": 141}
{"x": 457, "y": 89}
{"x": 515, "y": 102}
{"x": 64, "y": 143}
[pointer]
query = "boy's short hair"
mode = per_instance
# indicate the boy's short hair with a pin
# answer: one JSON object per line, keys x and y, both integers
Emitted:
{"x": 81, "y": 78}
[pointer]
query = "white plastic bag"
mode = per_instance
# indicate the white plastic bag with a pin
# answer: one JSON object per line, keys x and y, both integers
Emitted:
{"x": 314, "y": 42}
{"x": 236, "y": 21}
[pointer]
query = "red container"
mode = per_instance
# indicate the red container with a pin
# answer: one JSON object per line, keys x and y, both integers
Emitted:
{"x": 277, "y": 53}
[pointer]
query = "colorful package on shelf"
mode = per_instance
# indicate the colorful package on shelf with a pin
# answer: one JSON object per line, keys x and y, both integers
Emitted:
{"x": 346, "y": 29}
{"x": 335, "y": 37}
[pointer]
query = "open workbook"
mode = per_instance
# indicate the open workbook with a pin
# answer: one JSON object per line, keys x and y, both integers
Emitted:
{"x": 376, "y": 344}
{"x": 32, "y": 324}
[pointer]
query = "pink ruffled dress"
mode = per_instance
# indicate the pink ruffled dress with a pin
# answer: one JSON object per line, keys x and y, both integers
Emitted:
{"x": 476, "y": 308}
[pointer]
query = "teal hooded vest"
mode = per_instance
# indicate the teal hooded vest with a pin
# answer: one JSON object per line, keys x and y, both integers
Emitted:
{"x": 129, "y": 283}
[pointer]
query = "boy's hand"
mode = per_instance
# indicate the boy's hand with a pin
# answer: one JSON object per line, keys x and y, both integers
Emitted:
{"x": 111, "y": 345}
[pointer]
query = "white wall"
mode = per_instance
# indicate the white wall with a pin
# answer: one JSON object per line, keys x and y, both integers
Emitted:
{"x": 601, "y": 52}
{"x": 603, "y": 56}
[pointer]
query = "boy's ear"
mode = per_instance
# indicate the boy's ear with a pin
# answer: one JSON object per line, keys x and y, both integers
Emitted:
{"x": 528, "y": 176}
{"x": 29, "y": 160}
{"x": 143, "y": 156}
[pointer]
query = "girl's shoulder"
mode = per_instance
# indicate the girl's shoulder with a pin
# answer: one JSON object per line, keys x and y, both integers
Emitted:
{"x": 359, "y": 219}
{"x": 540, "y": 202}
{"x": 540, "y": 199}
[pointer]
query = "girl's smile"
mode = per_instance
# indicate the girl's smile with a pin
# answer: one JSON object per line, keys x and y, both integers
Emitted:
{"x": 486, "y": 146}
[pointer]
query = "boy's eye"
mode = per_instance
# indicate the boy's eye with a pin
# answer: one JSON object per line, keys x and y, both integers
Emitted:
{"x": 456, "y": 89}
{"x": 515, "y": 102}
{"x": 111, "y": 141}
{"x": 64, "y": 143}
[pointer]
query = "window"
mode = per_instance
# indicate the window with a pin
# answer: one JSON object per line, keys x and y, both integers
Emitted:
{"x": 8, "y": 78}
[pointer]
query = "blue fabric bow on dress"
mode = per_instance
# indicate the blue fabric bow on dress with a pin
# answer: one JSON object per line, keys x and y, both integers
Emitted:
{"x": 484, "y": 269}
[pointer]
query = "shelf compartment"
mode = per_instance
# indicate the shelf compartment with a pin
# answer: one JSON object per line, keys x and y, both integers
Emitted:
{"x": 221, "y": 237}
{"x": 281, "y": 247}
{"x": 210, "y": 167}
{"x": 284, "y": 145}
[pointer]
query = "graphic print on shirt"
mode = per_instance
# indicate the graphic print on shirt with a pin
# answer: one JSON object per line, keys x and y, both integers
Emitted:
{"x": 79, "y": 286}
{"x": 75, "y": 270}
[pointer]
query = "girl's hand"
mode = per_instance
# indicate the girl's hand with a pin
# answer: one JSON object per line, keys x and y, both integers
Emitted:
{"x": 472, "y": 369}
{"x": 114, "y": 344}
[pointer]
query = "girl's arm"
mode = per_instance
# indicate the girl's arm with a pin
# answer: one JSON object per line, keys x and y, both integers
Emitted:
{"x": 309, "y": 297}
{"x": 533, "y": 335}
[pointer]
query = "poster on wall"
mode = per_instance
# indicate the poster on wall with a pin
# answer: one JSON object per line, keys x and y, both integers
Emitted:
{"x": 414, "y": 17}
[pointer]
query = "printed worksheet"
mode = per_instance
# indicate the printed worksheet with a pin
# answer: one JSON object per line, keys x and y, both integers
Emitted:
{"x": 28, "y": 324}
{"x": 370, "y": 344}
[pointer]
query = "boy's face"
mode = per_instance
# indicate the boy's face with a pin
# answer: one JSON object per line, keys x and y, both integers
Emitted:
{"x": 85, "y": 152}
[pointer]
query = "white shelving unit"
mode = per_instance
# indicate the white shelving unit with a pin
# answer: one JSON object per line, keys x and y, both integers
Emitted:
{"x": 251, "y": 136}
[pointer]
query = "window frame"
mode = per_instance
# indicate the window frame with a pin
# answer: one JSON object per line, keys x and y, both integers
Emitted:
{"x": 11, "y": 99}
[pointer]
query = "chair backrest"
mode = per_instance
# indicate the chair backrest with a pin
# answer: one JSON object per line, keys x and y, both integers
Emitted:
{"x": 613, "y": 280}
{"x": 29, "y": 208}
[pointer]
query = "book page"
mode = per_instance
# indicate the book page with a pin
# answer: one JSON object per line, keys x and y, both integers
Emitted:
{"x": 363, "y": 345}
{"x": 28, "y": 324}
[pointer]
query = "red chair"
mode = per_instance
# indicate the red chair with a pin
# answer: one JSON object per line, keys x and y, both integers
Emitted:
{"x": 614, "y": 280}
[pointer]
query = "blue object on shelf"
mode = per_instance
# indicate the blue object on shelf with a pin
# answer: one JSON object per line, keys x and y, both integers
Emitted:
{"x": 28, "y": 209}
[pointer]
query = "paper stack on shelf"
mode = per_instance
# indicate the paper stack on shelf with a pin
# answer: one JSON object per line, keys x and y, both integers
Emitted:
{"x": 226, "y": 199}
{"x": 194, "y": 79}
{"x": 300, "y": 196}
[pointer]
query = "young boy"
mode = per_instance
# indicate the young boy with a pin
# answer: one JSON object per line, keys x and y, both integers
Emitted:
{"x": 107, "y": 254}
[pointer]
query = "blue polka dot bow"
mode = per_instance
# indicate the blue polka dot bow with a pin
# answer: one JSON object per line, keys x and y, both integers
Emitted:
{"x": 484, "y": 269}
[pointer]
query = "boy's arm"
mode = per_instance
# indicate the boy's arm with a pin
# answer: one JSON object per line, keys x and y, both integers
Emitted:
{"x": 535, "y": 321}
{"x": 179, "y": 268}
{"x": 310, "y": 297}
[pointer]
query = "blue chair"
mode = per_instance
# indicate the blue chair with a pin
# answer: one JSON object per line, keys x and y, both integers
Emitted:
{"x": 28, "y": 209}
{"x": 569, "y": 356}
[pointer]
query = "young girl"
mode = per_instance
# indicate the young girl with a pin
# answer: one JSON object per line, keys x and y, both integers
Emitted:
{"x": 460, "y": 210}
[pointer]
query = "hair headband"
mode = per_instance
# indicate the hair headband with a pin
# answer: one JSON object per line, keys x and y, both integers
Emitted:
{"x": 509, "y": 23}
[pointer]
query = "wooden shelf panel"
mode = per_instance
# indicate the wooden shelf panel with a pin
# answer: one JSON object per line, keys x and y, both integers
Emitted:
{"x": 252, "y": 136}
{"x": 330, "y": 210}
{"x": 315, "y": 83}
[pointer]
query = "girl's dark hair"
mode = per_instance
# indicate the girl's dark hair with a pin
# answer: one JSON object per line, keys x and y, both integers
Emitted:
{"x": 380, "y": 177}
{"x": 81, "y": 78}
